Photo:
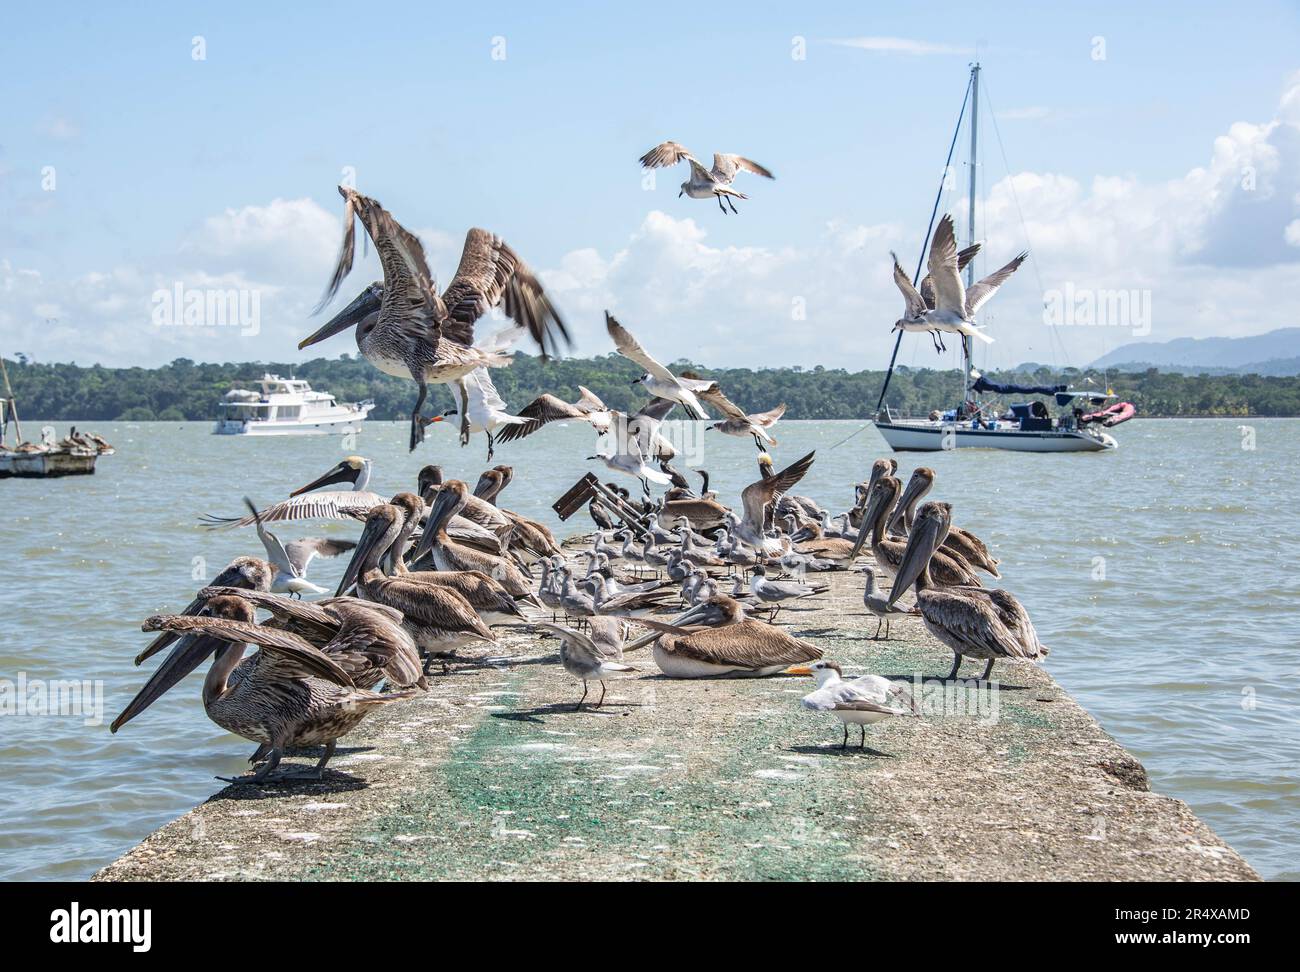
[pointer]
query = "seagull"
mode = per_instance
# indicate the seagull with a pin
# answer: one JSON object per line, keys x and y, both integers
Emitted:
{"x": 594, "y": 658}
{"x": 405, "y": 328}
{"x": 486, "y": 409}
{"x": 776, "y": 592}
{"x": 633, "y": 464}
{"x": 291, "y": 559}
{"x": 927, "y": 293}
{"x": 703, "y": 182}
{"x": 862, "y": 701}
{"x": 954, "y": 308}
{"x": 548, "y": 408}
{"x": 658, "y": 380}
{"x": 739, "y": 424}
{"x": 878, "y": 604}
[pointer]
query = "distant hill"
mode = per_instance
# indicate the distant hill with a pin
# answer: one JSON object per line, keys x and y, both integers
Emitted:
{"x": 1275, "y": 353}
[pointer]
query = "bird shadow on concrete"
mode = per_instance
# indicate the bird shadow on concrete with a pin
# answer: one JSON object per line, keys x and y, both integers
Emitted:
{"x": 565, "y": 709}
{"x": 331, "y": 781}
{"x": 961, "y": 681}
{"x": 833, "y": 749}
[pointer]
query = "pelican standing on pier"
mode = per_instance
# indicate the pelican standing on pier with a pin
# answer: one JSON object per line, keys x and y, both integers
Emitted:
{"x": 972, "y": 621}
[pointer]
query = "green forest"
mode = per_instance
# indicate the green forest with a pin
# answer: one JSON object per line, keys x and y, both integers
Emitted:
{"x": 184, "y": 390}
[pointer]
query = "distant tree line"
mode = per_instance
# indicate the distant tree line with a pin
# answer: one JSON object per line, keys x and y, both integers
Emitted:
{"x": 184, "y": 390}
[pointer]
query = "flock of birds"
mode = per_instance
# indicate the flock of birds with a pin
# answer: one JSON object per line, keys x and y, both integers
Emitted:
{"x": 436, "y": 570}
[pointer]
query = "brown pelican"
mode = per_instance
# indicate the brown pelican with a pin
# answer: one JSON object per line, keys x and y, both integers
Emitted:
{"x": 702, "y": 514}
{"x": 838, "y": 550}
{"x": 738, "y": 647}
{"x": 448, "y": 554}
{"x": 878, "y": 604}
{"x": 291, "y": 559}
{"x": 862, "y": 701}
{"x": 527, "y": 535}
{"x": 289, "y": 693}
{"x": 406, "y": 329}
{"x": 243, "y": 572}
{"x": 972, "y": 549}
{"x": 592, "y": 657}
{"x": 309, "y": 503}
{"x": 972, "y": 621}
{"x": 439, "y": 619}
{"x": 948, "y": 569}
{"x": 625, "y": 604}
{"x": 955, "y": 308}
{"x": 658, "y": 380}
{"x": 705, "y": 183}
{"x": 757, "y": 497}
{"x": 881, "y": 467}
{"x": 739, "y": 424}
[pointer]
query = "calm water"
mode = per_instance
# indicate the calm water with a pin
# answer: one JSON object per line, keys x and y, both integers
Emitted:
{"x": 1181, "y": 639}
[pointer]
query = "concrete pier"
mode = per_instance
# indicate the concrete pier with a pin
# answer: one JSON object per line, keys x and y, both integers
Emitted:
{"x": 493, "y": 776}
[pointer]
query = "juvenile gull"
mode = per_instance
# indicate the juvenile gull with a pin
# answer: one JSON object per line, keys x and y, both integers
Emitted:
{"x": 703, "y": 183}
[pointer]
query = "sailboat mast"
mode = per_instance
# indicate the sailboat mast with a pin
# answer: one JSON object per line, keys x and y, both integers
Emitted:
{"x": 967, "y": 344}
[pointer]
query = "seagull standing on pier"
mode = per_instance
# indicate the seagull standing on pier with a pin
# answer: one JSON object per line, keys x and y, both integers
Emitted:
{"x": 703, "y": 182}
{"x": 861, "y": 702}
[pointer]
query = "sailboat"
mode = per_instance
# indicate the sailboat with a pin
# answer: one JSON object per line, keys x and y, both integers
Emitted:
{"x": 1026, "y": 427}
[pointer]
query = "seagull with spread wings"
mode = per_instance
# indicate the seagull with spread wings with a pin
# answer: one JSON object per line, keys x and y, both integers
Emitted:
{"x": 757, "y": 497}
{"x": 954, "y": 308}
{"x": 658, "y": 380}
{"x": 705, "y": 183}
{"x": 406, "y": 328}
{"x": 291, "y": 559}
{"x": 738, "y": 423}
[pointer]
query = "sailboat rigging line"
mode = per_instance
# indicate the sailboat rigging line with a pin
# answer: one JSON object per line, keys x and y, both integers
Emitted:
{"x": 1024, "y": 227}
{"x": 925, "y": 245}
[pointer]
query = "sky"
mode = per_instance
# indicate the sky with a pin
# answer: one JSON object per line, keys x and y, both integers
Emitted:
{"x": 1147, "y": 156}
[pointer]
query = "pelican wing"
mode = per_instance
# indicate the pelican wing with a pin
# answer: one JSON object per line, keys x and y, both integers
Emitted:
{"x": 916, "y": 304}
{"x": 491, "y": 272}
{"x": 950, "y": 295}
{"x": 628, "y": 346}
{"x": 371, "y": 641}
{"x": 969, "y": 617}
{"x": 323, "y": 505}
{"x": 755, "y": 497}
{"x": 980, "y": 293}
{"x": 665, "y": 154}
{"x": 725, "y": 167}
{"x": 927, "y": 285}
{"x": 745, "y": 644}
{"x": 1016, "y": 618}
{"x": 438, "y": 607}
{"x": 294, "y": 657}
{"x": 309, "y": 617}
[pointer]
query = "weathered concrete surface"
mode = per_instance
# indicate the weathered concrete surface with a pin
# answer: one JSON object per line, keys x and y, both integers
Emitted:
{"x": 492, "y": 776}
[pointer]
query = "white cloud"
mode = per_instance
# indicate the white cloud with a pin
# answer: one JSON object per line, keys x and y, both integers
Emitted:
{"x": 898, "y": 45}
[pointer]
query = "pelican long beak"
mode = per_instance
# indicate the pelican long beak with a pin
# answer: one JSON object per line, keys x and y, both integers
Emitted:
{"x": 928, "y": 532}
{"x": 342, "y": 473}
{"x": 797, "y": 670}
{"x": 445, "y": 500}
{"x": 917, "y": 487}
{"x": 868, "y": 518}
{"x": 366, "y": 303}
{"x": 190, "y": 652}
{"x": 375, "y": 529}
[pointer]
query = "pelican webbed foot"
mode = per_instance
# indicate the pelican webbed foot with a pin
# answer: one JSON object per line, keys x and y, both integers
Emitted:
{"x": 272, "y": 761}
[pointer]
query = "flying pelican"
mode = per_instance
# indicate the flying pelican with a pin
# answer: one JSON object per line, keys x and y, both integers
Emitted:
{"x": 878, "y": 604}
{"x": 406, "y": 329}
{"x": 739, "y": 424}
{"x": 704, "y": 183}
{"x": 440, "y": 619}
{"x": 291, "y": 559}
{"x": 739, "y": 647}
{"x": 862, "y": 701}
{"x": 972, "y": 549}
{"x": 972, "y": 621}
{"x": 757, "y": 497}
{"x": 658, "y": 380}
{"x": 955, "y": 308}
{"x": 289, "y": 693}
{"x": 949, "y": 569}
{"x": 593, "y": 657}
{"x": 306, "y": 503}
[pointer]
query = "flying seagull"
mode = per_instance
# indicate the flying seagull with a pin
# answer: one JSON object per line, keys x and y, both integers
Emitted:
{"x": 704, "y": 183}
{"x": 658, "y": 380}
{"x": 738, "y": 423}
{"x": 954, "y": 308}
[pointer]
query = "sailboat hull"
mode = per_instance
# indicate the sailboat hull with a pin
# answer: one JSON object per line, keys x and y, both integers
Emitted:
{"x": 940, "y": 436}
